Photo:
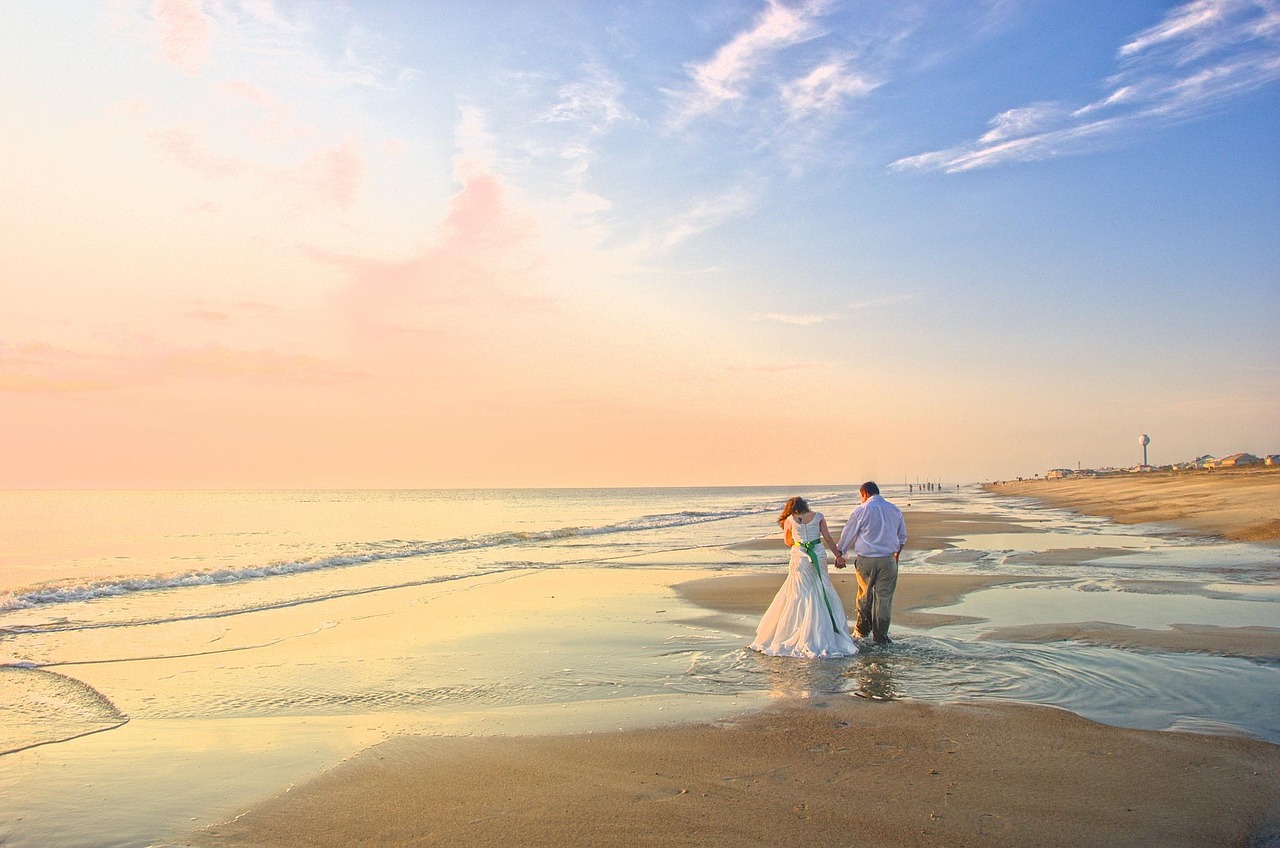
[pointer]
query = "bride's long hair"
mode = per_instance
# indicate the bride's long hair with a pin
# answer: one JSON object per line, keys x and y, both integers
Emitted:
{"x": 795, "y": 506}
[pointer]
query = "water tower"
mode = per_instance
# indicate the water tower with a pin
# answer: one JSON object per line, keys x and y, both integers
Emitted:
{"x": 1144, "y": 440}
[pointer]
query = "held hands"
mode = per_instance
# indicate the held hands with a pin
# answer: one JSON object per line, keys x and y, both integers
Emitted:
{"x": 840, "y": 561}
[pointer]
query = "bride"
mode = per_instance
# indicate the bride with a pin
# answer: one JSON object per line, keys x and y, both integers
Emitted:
{"x": 806, "y": 618}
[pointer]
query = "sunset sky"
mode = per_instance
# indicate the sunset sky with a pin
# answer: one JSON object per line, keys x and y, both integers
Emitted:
{"x": 249, "y": 243}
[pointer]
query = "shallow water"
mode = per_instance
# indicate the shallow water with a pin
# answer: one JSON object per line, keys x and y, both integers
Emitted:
{"x": 1149, "y": 691}
{"x": 173, "y": 657}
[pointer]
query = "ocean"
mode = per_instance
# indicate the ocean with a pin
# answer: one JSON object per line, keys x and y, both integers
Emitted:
{"x": 167, "y": 657}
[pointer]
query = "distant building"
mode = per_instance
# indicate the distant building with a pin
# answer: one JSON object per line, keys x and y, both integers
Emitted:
{"x": 1238, "y": 459}
{"x": 1058, "y": 473}
{"x": 1271, "y": 459}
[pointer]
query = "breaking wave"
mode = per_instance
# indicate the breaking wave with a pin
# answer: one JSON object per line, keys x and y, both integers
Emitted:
{"x": 371, "y": 552}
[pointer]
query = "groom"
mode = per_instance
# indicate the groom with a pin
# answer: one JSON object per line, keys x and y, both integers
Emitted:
{"x": 876, "y": 533}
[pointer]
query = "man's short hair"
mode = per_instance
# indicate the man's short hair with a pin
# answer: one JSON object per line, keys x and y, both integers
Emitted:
{"x": 869, "y": 489}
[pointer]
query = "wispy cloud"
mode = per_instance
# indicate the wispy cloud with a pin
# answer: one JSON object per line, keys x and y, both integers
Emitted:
{"x": 727, "y": 75}
{"x": 1203, "y": 27}
{"x": 327, "y": 176}
{"x": 777, "y": 89}
{"x": 705, "y": 215}
{"x": 189, "y": 149}
{"x": 331, "y": 176}
{"x": 260, "y": 121}
{"x": 594, "y": 102}
{"x": 1201, "y": 54}
{"x": 584, "y": 110}
{"x": 183, "y": 33}
{"x": 266, "y": 34}
{"x": 824, "y": 89}
{"x": 840, "y": 313}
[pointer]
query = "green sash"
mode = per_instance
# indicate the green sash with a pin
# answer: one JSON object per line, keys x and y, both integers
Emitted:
{"x": 810, "y": 549}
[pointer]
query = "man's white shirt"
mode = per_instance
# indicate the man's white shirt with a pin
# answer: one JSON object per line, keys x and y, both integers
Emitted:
{"x": 874, "y": 529}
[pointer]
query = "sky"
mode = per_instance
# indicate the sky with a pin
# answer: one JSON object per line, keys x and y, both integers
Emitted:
{"x": 259, "y": 243}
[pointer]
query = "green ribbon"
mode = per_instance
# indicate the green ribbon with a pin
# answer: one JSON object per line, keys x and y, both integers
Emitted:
{"x": 810, "y": 549}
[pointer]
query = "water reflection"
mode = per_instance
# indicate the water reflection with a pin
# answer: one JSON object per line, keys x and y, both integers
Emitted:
{"x": 870, "y": 674}
{"x": 787, "y": 677}
{"x": 873, "y": 678}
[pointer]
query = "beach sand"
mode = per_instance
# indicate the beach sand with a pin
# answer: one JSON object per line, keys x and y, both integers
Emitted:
{"x": 843, "y": 772}
{"x": 825, "y": 770}
{"x": 1238, "y": 504}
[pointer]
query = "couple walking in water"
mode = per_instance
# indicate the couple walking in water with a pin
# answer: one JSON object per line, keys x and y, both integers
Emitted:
{"x": 806, "y": 617}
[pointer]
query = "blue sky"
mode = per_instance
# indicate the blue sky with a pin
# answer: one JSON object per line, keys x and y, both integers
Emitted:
{"x": 636, "y": 243}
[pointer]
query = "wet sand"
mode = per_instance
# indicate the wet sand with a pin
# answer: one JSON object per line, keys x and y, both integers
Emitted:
{"x": 842, "y": 772}
{"x": 1238, "y": 504}
{"x": 1254, "y": 643}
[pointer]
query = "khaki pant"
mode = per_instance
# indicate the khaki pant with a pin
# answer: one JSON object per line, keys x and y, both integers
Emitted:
{"x": 877, "y": 578}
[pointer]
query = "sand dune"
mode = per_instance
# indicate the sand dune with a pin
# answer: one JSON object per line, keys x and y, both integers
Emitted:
{"x": 1240, "y": 504}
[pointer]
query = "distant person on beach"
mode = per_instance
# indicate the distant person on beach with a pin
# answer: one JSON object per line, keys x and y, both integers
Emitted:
{"x": 806, "y": 617}
{"x": 876, "y": 533}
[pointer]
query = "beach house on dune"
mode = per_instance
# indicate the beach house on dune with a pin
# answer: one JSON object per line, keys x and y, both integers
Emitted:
{"x": 1237, "y": 460}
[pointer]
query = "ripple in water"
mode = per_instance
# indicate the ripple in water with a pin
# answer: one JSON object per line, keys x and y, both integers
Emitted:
{"x": 1151, "y": 691}
{"x": 41, "y": 707}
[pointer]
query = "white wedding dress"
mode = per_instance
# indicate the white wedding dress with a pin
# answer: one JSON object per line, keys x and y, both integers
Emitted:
{"x": 806, "y": 618}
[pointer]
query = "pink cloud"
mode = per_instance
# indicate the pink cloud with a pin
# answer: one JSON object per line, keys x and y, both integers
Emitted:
{"x": 184, "y": 32}
{"x": 478, "y": 212}
{"x": 485, "y": 256}
{"x": 42, "y": 368}
{"x": 187, "y": 148}
{"x": 332, "y": 176}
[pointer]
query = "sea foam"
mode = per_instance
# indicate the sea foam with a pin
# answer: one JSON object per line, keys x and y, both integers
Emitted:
{"x": 369, "y": 552}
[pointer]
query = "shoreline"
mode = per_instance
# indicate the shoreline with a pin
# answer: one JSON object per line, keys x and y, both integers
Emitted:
{"x": 1235, "y": 504}
{"x": 802, "y": 771}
